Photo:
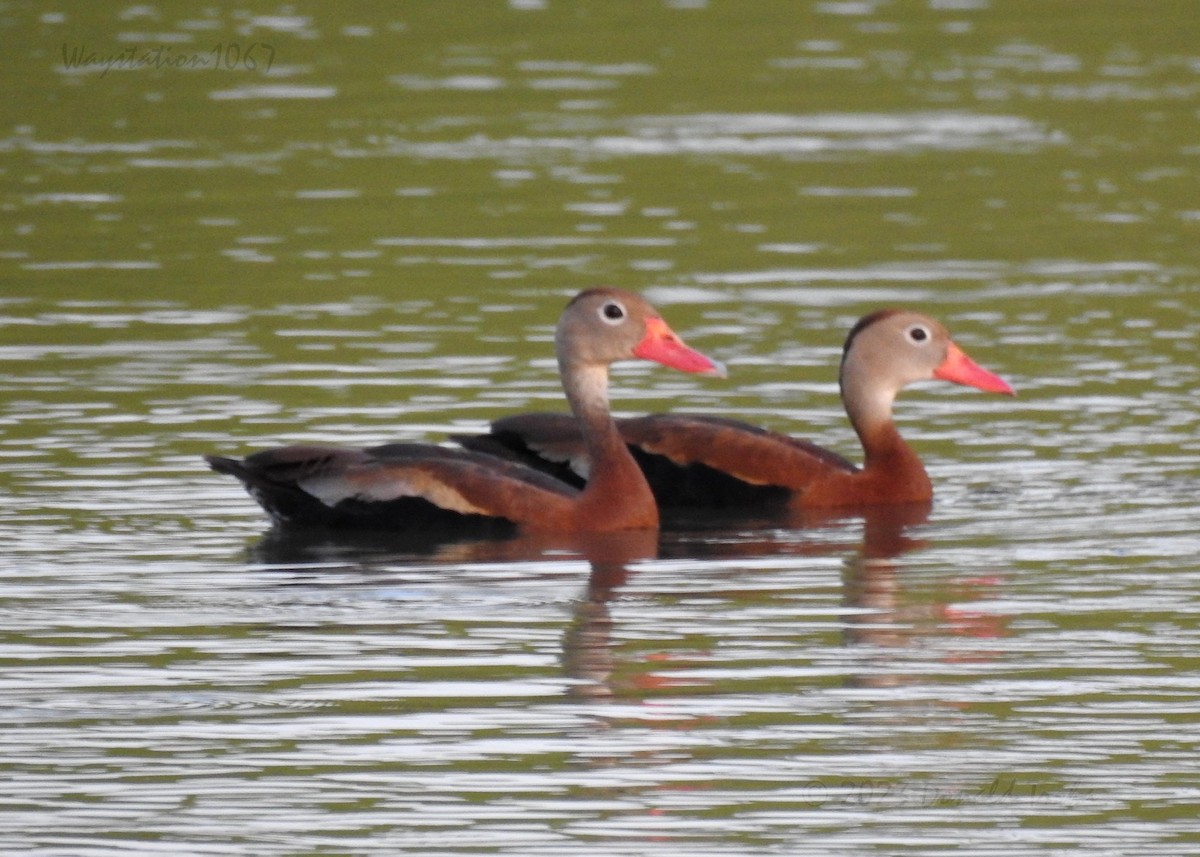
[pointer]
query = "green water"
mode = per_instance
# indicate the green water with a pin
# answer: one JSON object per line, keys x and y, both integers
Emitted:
{"x": 371, "y": 240}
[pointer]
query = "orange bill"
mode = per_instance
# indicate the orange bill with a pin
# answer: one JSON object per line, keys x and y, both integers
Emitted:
{"x": 663, "y": 345}
{"x": 961, "y": 369}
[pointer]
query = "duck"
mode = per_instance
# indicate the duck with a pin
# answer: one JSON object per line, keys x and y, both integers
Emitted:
{"x": 415, "y": 486}
{"x": 697, "y": 461}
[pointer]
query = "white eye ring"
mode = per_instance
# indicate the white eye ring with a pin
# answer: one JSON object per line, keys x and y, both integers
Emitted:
{"x": 918, "y": 334}
{"x": 612, "y": 312}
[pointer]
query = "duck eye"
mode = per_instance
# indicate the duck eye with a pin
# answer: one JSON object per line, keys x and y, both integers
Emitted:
{"x": 918, "y": 333}
{"x": 612, "y": 312}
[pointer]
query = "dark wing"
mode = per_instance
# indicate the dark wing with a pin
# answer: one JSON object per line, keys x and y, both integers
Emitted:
{"x": 274, "y": 478}
{"x": 549, "y": 443}
{"x": 398, "y": 486}
{"x": 746, "y": 452}
{"x": 689, "y": 460}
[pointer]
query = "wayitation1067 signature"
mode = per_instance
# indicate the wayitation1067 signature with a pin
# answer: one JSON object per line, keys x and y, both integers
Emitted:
{"x": 224, "y": 56}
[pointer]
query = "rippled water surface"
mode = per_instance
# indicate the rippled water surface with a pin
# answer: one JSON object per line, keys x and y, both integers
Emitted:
{"x": 227, "y": 229}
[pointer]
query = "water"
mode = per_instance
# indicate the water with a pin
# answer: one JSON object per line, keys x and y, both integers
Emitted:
{"x": 372, "y": 239}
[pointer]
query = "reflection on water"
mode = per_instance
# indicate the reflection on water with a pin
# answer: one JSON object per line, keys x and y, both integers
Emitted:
{"x": 828, "y": 672}
{"x": 370, "y": 241}
{"x": 740, "y": 134}
{"x": 871, "y": 586}
{"x": 1002, "y": 657}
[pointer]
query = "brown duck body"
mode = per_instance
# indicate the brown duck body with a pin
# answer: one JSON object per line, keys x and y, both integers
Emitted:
{"x": 408, "y": 485}
{"x": 713, "y": 462}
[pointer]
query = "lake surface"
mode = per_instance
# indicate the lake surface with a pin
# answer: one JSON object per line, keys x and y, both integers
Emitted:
{"x": 371, "y": 240}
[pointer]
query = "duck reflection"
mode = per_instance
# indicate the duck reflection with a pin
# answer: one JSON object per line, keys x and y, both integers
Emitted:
{"x": 871, "y": 584}
{"x": 588, "y": 655}
{"x": 876, "y": 618}
{"x": 289, "y": 548}
{"x": 879, "y": 618}
{"x": 888, "y": 619}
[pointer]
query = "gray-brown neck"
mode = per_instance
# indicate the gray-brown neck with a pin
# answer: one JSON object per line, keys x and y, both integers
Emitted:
{"x": 868, "y": 397}
{"x": 613, "y": 468}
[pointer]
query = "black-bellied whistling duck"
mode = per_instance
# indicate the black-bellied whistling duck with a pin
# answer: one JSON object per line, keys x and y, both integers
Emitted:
{"x": 713, "y": 462}
{"x": 407, "y": 485}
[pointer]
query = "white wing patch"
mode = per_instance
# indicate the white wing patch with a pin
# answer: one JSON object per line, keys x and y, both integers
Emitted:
{"x": 568, "y": 454}
{"x": 380, "y": 484}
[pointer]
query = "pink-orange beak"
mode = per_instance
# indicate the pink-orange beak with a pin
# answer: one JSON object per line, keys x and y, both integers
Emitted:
{"x": 961, "y": 369}
{"x": 663, "y": 345}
